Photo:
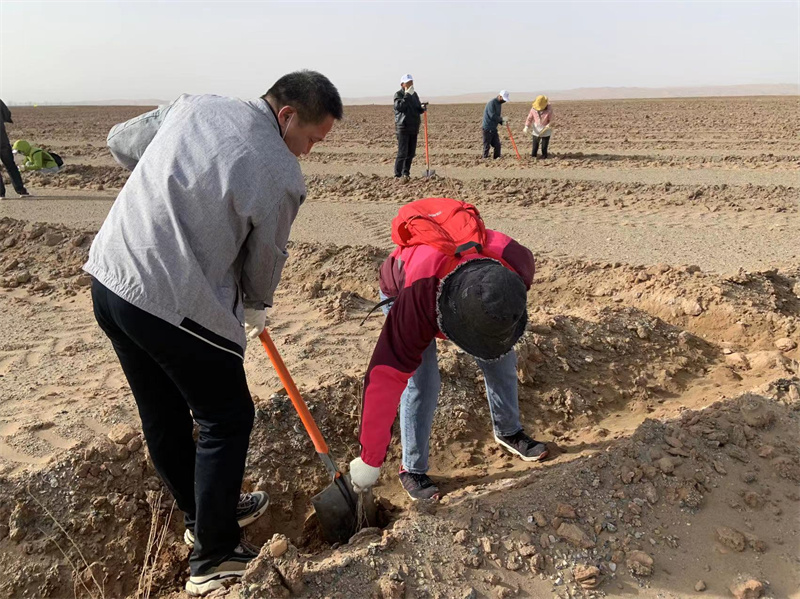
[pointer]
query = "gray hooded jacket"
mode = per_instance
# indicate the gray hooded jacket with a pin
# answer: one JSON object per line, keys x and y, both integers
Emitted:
{"x": 200, "y": 228}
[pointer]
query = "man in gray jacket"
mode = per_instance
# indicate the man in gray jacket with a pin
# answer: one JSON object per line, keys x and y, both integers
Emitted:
{"x": 184, "y": 268}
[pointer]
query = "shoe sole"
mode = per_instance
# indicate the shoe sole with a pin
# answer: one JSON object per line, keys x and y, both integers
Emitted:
{"x": 538, "y": 458}
{"x": 242, "y": 523}
{"x": 435, "y": 497}
{"x": 211, "y": 582}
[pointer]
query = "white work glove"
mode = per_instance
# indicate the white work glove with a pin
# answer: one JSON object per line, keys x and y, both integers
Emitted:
{"x": 362, "y": 475}
{"x": 254, "y": 322}
{"x": 410, "y": 90}
{"x": 505, "y": 120}
{"x": 525, "y": 129}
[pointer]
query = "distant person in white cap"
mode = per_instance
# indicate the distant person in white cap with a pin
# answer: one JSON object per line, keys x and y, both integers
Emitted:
{"x": 491, "y": 118}
{"x": 407, "y": 111}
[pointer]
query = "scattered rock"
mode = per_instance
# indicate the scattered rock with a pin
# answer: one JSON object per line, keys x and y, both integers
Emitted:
{"x": 731, "y": 538}
{"x": 692, "y": 308}
{"x": 391, "y": 588}
{"x": 753, "y": 500}
{"x": 278, "y": 545}
{"x": 461, "y": 537}
{"x": 537, "y": 563}
{"x": 755, "y": 543}
{"x": 785, "y": 344}
{"x": 639, "y": 563}
{"x": 667, "y": 465}
{"x": 751, "y": 589}
{"x": 700, "y": 586}
{"x": 766, "y": 451}
{"x": 566, "y": 511}
{"x": 121, "y": 434}
{"x": 575, "y": 535}
{"x": 135, "y": 444}
{"x": 52, "y": 239}
{"x": 755, "y": 412}
{"x": 587, "y": 576}
{"x": 540, "y": 519}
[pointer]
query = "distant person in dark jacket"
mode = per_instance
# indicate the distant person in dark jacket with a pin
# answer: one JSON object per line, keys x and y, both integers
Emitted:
{"x": 7, "y": 156}
{"x": 491, "y": 118}
{"x": 407, "y": 111}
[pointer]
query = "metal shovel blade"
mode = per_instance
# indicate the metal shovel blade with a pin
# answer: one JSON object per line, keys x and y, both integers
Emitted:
{"x": 429, "y": 173}
{"x": 337, "y": 508}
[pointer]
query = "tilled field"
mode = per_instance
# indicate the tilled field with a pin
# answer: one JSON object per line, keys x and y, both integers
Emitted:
{"x": 660, "y": 364}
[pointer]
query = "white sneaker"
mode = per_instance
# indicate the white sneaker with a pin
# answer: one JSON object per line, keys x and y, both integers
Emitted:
{"x": 228, "y": 572}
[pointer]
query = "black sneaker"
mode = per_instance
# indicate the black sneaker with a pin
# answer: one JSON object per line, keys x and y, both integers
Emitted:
{"x": 228, "y": 572}
{"x": 250, "y": 508}
{"x": 419, "y": 486}
{"x": 522, "y": 445}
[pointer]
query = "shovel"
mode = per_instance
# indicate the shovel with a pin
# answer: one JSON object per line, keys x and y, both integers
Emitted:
{"x": 337, "y": 507}
{"x": 428, "y": 173}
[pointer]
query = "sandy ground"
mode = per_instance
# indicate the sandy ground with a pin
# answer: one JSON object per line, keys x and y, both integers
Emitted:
{"x": 668, "y": 286}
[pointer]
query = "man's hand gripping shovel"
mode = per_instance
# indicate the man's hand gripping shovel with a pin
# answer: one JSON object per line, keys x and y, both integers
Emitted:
{"x": 340, "y": 510}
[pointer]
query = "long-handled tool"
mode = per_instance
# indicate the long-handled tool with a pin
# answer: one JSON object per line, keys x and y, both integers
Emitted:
{"x": 428, "y": 173}
{"x": 337, "y": 506}
{"x": 513, "y": 143}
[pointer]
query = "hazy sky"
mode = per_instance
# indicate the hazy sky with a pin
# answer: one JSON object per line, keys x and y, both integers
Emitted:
{"x": 67, "y": 50}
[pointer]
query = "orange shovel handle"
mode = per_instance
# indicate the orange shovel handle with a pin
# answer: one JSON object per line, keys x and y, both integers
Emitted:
{"x": 294, "y": 394}
{"x": 513, "y": 143}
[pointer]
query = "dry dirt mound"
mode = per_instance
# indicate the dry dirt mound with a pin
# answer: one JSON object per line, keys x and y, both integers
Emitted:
{"x": 561, "y": 160}
{"x": 81, "y": 176}
{"x": 699, "y": 500}
{"x": 42, "y": 258}
{"x": 608, "y": 345}
{"x": 551, "y": 192}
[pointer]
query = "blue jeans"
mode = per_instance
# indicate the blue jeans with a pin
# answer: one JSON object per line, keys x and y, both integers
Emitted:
{"x": 419, "y": 400}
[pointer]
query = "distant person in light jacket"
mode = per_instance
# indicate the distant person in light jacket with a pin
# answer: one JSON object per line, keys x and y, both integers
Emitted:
{"x": 184, "y": 268}
{"x": 539, "y": 125}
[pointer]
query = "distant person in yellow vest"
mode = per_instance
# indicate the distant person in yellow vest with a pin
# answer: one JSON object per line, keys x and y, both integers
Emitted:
{"x": 539, "y": 125}
{"x": 36, "y": 159}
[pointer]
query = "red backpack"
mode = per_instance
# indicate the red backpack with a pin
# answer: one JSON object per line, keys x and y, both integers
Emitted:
{"x": 451, "y": 226}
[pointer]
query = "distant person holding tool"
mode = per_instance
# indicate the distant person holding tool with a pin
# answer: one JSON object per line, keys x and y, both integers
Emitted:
{"x": 184, "y": 268}
{"x": 7, "y": 156}
{"x": 538, "y": 124}
{"x": 492, "y": 117}
{"x": 407, "y": 111}
{"x": 36, "y": 159}
{"x": 448, "y": 278}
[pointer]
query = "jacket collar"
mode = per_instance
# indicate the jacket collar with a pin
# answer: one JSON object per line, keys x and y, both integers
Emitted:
{"x": 265, "y": 107}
